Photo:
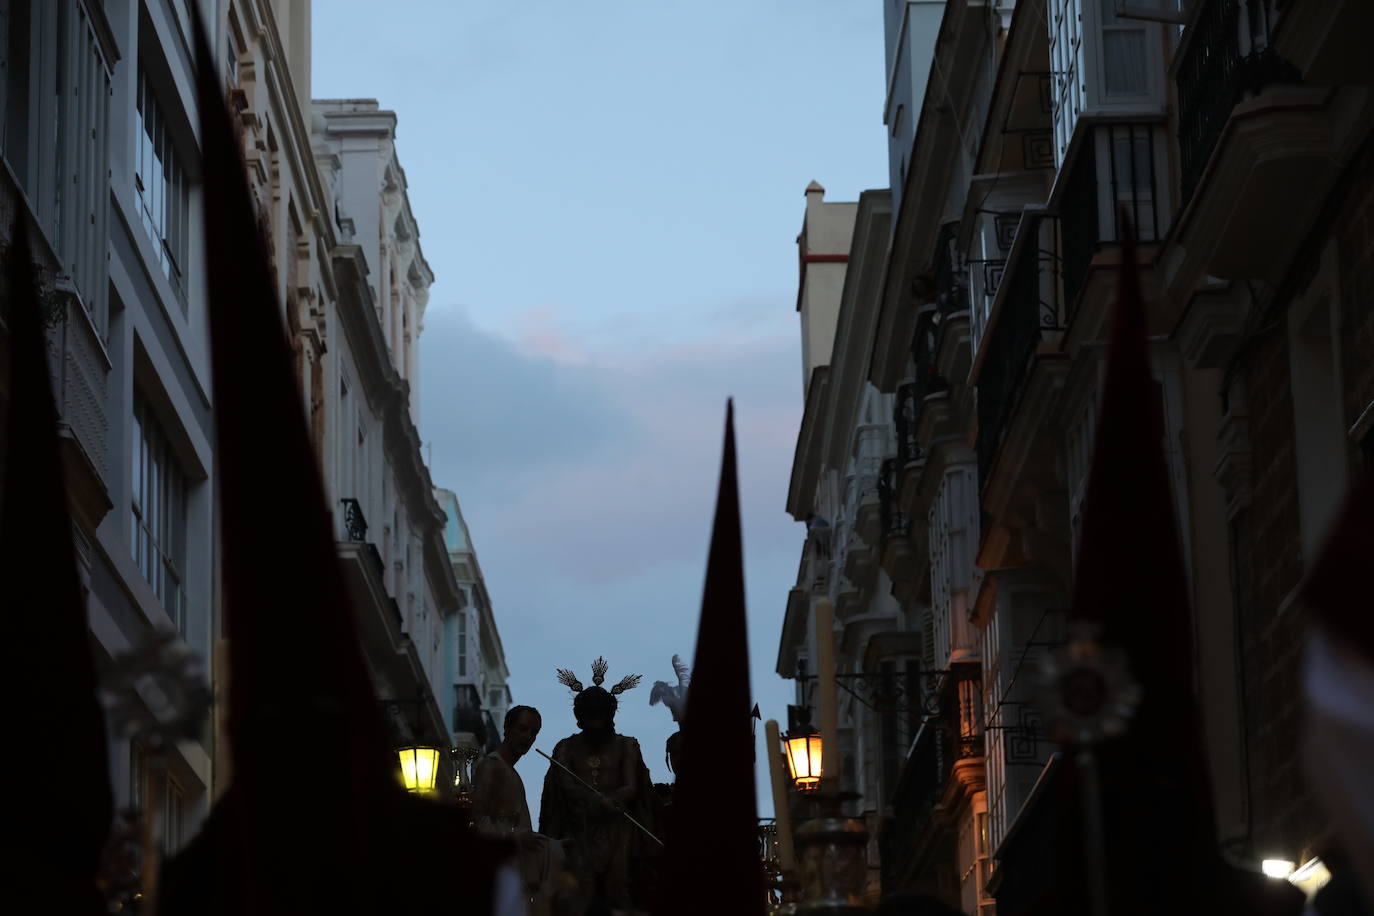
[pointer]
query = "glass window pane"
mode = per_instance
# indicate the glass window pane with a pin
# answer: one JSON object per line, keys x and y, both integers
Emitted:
{"x": 1123, "y": 61}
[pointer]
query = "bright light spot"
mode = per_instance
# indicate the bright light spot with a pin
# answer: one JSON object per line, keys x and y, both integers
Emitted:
{"x": 1277, "y": 868}
{"x": 1311, "y": 877}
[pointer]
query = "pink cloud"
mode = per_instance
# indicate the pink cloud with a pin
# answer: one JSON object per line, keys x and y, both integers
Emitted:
{"x": 538, "y": 334}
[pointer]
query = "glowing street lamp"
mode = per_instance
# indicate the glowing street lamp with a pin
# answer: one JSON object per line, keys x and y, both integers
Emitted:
{"x": 804, "y": 760}
{"x": 419, "y": 768}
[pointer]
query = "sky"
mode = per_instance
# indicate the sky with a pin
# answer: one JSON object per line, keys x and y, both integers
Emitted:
{"x": 609, "y": 194}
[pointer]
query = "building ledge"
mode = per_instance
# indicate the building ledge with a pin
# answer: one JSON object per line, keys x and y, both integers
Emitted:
{"x": 1274, "y": 164}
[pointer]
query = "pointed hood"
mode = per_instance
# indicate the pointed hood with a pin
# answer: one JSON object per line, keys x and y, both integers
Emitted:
{"x": 304, "y": 727}
{"x": 314, "y": 820}
{"x": 64, "y": 825}
{"x": 713, "y": 802}
{"x": 1160, "y": 836}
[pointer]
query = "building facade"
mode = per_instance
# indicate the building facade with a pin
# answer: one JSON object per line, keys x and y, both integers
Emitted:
{"x": 100, "y": 154}
{"x": 476, "y": 664}
{"x": 390, "y": 524}
{"x": 1234, "y": 135}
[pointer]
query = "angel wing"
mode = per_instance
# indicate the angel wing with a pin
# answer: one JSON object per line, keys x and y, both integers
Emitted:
{"x": 684, "y": 674}
{"x": 662, "y": 692}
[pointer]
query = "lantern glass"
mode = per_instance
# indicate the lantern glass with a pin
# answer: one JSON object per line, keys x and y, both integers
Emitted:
{"x": 804, "y": 760}
{"x": 419, "y": 768}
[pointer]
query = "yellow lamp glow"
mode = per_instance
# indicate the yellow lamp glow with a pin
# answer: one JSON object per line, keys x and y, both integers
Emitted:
{"x": 1310, "y": 877}
{"x": 804, "y": 760}
{"x": 419, "y": 768}
{"x": 1277, "y": 868}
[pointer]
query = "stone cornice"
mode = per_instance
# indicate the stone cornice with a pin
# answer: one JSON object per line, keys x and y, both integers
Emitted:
{"x": 806, "y": 460}
{"x": 857, "y": 320}
{"x": 296, "y": 136}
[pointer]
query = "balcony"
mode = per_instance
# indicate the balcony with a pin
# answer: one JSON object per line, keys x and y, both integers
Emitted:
{"x": 1226, "y": 55}
{"x": 1118, "y": 170}
{"x": 1028, "y": 313}
{"x": 895, "y": 552}
{"x": 1259, "y": 150}
{"x": 385, "y": 644}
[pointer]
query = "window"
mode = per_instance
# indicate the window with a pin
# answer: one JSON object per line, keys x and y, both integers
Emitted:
{"x": 1125, "y": 68}
{"x": 54, "y": 115}
{"x": 147, "y": 787}
{"x": 138, "y": 775}
{"x": 494, "y": 698}
{"x": 173, "y": 817}
{"x": 158, "y": 517}
{"x": 462, "y": 645}
{"x": 1069, "y": 94}
{"x": 162, "y": 187}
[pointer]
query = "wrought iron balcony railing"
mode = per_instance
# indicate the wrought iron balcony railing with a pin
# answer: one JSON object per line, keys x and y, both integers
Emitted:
{"x": 355, "y": 525}
{"x": 1114, "y": 174}
{"x": 1226, "y": 56}
{"x": 894, "y": 519}
{"x": 951, "y": 275}
{"x": 1032, "y": 308}
{"x": 911, "y": 396}
{"x": 906, "y": 415}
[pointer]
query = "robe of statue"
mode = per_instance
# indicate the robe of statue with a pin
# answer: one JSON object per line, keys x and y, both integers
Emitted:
{"x": 603, "y": 844}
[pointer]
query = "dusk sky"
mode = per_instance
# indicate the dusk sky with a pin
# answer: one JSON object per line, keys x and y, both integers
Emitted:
{"x": 608, "y": 192}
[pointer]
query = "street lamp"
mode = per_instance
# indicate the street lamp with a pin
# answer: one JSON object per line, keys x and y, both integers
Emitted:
{"x": 804, "y": 759}
{"x": 419, "y": 768}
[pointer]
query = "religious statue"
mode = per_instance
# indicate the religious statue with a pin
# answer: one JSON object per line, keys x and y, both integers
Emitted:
{"x": 499, "y": 808}
{"x": 674, "y": 697}
{"x": 596, "y": 794}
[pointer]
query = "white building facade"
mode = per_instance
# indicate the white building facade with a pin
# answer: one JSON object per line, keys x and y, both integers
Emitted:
{"x": 476, "y": 664}
{"x": 99, "y": 149}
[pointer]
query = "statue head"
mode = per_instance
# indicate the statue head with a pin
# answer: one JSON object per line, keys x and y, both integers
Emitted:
{"x": 594, "y": 707}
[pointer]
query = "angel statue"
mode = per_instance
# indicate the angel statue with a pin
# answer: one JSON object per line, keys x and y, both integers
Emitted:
{"x": 596, "y": 795}
{"x": 675, "y": 698}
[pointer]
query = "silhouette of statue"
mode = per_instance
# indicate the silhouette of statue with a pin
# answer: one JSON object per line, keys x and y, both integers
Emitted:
{"x": 588, "y": 805}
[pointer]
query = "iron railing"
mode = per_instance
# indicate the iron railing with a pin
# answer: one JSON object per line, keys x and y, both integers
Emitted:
{"x": 911, "y": 396}
{"x": 951, "y": 275}
{"x": 1227, "y": 56}
{"x": 907, "y": 415}
{"x": 894, "y": 520}
{"x": 1127, "y": 182}
{"x": 1032, "y": 306}
{"x": 355, "y": 525}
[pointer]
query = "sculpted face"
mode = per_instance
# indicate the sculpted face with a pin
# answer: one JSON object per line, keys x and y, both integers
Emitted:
{"x": 522, "y": 732}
